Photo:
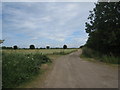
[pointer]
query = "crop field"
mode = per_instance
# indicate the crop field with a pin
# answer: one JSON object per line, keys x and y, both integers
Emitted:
{"x": 19, "y": 66}
{"x": 43, "y": 51}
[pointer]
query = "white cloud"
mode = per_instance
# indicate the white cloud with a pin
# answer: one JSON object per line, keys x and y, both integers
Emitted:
{"x": 51, "y": 0}
{"x": 0, "y": 20}
{"x": 55, "y": 21}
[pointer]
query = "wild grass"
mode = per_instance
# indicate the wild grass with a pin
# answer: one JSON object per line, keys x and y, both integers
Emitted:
{"x": 89, "y": 53}
{"x": 64, "y": 52}
{"x": 17, "y": 68}
{"x": 43, "y": 51}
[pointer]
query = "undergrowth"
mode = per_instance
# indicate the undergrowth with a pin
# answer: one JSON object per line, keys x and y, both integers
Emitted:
{"x": 18, "y": 68}
{"x": 87, "y": 52}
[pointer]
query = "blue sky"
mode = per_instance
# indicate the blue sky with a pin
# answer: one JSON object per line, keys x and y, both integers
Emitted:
{"x": 0, "y": 20}
{"x": 45, "y": 23}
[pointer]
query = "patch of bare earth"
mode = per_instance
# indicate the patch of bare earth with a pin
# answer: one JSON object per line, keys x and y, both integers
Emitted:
{"x": 70, "y": 71}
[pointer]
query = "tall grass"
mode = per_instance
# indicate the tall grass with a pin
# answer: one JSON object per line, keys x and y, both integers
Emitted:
{"x": 43, "y": 51}
{"x": 64, "y": 52}
{"x": 19, "y": 67}
{"x": 87, "y": 52}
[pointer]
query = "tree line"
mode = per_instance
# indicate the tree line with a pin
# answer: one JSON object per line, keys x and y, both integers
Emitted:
{"x": 103, "y": 28}
{"x": 32, "y": 47}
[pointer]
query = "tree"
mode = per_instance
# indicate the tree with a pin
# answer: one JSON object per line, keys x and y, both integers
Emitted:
{"x": 81, "y": 46}
{"x": 32, "y": 47}
{"x": 48, "y": 47}
{"x": 64, "y": 46}
{"x": 15, "y": 47}
{"x": 3, "y": 47}
{"x": 104, "y": 28}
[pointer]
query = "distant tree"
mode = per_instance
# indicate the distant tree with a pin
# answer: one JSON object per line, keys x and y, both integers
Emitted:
{"x": 64, "y": 46}
{"x": 48, "y": 47}
{"x": 3, "y": 47}
{"x": 15, "y": 47}
{"x": 32, "y": 47}
{"x": 23, "y": 48}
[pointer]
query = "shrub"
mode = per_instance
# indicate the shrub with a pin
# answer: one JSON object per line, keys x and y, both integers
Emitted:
{"x": 19, "y": 67}
{"x": 111, "y": 59}
{"x": 87, "y": 52}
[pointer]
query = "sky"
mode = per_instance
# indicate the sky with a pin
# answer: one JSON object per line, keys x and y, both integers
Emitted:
{"x": 54, "y": 0}
{"x": 45, "y": 23}
{"x": 0, "y": 20}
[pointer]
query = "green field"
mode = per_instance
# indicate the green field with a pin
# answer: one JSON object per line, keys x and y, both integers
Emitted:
{"x": 43, "y": 51}
{"x": 20, "y": 66}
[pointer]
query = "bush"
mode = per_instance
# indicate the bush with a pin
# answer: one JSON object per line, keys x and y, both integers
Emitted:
{"x": 90, "y": 53}
{"x": 111, "y": 59}
{"x": 87, "y": 52}
{"x": 19, "y": 67}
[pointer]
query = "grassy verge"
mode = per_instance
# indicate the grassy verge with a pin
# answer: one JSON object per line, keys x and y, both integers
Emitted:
{"x": 92, "y": 55}
{"x": 19, "y": 68}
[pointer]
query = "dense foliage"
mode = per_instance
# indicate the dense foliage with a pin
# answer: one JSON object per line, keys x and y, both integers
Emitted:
{"x": 4, "y": 47}
{"x": 32, "y": 47}
{"x": 48, "y": 47}
{"x": 20, "y": 67}
{"x": 15, "y": 47}
{"x": 104, "y": 28}
{"x": 64, "y": 46}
